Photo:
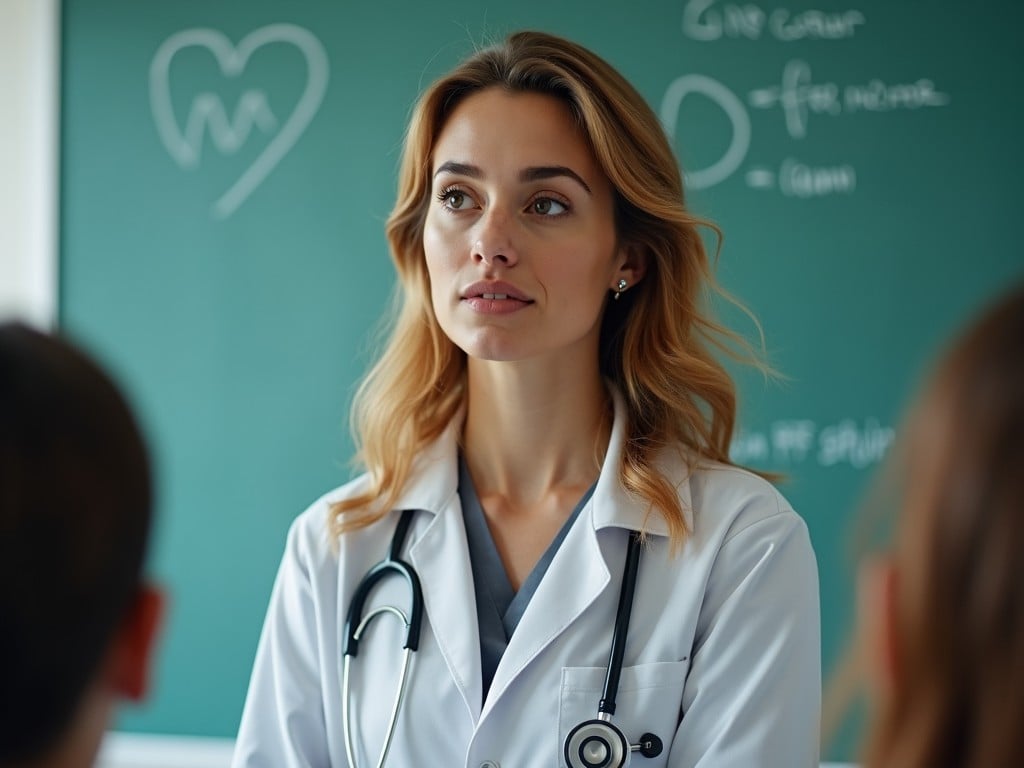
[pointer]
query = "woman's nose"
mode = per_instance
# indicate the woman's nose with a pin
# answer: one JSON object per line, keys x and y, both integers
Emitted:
{"x": 493, "y": 243}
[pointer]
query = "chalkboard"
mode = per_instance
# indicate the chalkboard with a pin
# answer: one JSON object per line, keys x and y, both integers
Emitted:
{"x": 227, "y": 168}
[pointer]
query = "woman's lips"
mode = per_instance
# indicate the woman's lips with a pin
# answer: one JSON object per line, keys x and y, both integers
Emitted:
{"x": 495, "y": 306}
{"x": 494, "y": 298}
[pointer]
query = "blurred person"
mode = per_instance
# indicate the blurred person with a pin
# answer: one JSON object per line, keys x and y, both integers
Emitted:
{"x": 77, "y": 620}
{"x": 943, "y": 613}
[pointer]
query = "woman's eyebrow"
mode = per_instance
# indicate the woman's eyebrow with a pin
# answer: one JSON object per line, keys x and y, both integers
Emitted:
{"x": 535, "y": 173}
{"x": 542, "y": 172}
{"x": 459, "y": 169}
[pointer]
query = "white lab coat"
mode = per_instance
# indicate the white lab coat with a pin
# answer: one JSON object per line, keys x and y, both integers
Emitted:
{"x": 722, "y": 660}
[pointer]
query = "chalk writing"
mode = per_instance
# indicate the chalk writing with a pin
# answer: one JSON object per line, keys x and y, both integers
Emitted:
{"x": 857, "y": 446}
{"x": 795, "y": 179}
{"x": 791, "y": 442}
{"x": 799, "y": 97}
{"x": 814, "y": 25}
{"x": 750, "y": 448}
{"x": 799, "y": 180}
{"x": 760, "y": 178}
{"x": 207, "y": 112}
{"x": 796, "y": 94}
{"x": 708, "y": 20}
{"x": 876, "y": 96}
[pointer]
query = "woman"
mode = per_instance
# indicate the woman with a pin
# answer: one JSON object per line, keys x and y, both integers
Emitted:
{"x": 946, "y": 609}
{"x": 547, "y": 390}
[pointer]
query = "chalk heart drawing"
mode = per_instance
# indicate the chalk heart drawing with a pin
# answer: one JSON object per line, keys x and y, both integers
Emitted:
{"x": 185, "y": 146}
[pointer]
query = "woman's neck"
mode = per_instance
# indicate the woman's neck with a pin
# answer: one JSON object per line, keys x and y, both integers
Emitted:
{"x": 532, "y": 430}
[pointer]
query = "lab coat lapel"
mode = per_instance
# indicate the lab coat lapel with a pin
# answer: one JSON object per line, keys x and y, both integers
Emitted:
{"x": 441, "y": 557}
{"x": 574, "y": 579}
{"x": 614, "y": 506}
{"x": 578, "y": 574}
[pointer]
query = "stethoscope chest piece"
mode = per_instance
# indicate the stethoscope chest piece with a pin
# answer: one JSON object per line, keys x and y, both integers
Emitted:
{"x": 596, "y": 744}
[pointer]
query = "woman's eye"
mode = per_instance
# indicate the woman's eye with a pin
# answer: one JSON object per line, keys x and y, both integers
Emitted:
{"x": 546, "y": 206}
{"x": 455, "y": 199}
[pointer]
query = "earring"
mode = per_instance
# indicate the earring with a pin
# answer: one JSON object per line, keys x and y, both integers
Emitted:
{"x": 620, "y": 288}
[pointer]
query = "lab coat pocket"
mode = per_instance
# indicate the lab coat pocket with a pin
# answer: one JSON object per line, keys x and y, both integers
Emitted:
{"x": 649, "y": 701}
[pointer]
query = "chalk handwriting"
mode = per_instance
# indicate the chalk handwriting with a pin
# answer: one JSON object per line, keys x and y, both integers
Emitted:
{"x": 791, "y": 442}
{"x": 795, "y": 179}
{"x": 708, "y": 20}
{"x": 750, "y": 448}
{"x": 876, "y": 96}
{"x": 799, "y": 180}
{"x": 857, "y": 446}
{"x": 798, "y": 96}
{"x": 207, "y": 112}
{"x": 814, "y": 25}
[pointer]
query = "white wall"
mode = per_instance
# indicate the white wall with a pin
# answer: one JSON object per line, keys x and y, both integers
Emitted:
{"x": 125, "y": 750}
{"x": 29, "y": 135}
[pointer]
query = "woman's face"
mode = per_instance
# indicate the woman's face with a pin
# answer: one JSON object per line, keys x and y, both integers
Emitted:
{"x": 519, "y": 237}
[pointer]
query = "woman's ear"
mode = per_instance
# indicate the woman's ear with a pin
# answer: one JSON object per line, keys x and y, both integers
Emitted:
{"x": 632, "y": 266}
{"x": 134, "y": 644}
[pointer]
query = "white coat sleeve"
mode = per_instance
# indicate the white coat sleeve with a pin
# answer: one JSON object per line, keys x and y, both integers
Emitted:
{"x": 283, "y": 723}
{"x": 752, "y": 697}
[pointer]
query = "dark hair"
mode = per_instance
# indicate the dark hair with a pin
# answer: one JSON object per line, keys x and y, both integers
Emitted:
{"x": 958, "y": 692}
{"x": 75, "y": 513}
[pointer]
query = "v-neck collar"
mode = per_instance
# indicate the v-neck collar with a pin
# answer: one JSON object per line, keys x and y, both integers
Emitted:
{"x": 499, "y": 606}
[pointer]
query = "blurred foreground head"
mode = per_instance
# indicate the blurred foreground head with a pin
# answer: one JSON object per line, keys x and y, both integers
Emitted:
{"x": 947, "y": 607}
{"x": 75, "y": 513}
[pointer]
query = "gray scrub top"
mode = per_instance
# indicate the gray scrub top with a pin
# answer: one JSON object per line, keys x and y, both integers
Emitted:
{"x": 498, "y": 607}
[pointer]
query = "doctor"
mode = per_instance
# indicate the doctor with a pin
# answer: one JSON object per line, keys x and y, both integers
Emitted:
{"x": 547, "y": 390}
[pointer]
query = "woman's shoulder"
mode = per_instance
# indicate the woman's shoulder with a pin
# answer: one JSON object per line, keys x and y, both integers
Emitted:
{"x": 729, "y": 499}
{"x": 310, "y": 535}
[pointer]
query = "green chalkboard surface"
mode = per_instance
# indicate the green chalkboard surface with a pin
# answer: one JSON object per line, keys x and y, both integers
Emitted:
{"x": 227, "y": 168}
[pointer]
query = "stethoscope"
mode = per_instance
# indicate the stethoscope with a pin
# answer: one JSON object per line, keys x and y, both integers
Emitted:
{"x": 596, "y": 743}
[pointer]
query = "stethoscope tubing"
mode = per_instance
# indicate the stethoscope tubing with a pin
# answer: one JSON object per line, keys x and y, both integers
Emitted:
{"x": 356, "y": 623}
{"x": 622, "y": 616}
{"x": 346, "y": 712}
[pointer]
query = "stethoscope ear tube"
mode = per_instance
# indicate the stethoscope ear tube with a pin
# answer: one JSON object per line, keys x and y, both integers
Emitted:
{"x": 393, "y": 564}
{"x": 355, "y": 623}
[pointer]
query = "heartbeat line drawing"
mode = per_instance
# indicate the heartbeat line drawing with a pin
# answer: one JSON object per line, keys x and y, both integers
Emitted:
{"x": 207, "y": 111}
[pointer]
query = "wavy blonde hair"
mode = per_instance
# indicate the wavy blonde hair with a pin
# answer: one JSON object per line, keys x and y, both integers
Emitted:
{"x": 655, "y": 342}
